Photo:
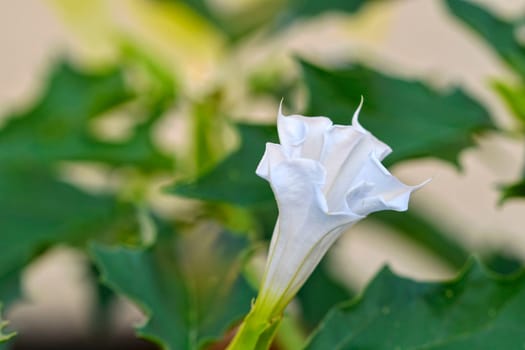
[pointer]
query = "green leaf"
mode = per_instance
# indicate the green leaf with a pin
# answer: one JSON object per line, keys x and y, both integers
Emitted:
{"x": 478, "y": 310}
{"x": 503, "y": 263}
{"x": 513, "y": 191}
{"x": 234, "y": 180}
{"x": 57, "y": 127}
{"x": 319, "y": 294}
{"x": 188, "y": 286}
{"x": 10, "y": 284}
{"x": 500, "y": 34}
{"x": 413, "y": 119}
{"x": 303, "y": 9}
{"x": 279, "y": 14}
{"x": 37, "y": 211}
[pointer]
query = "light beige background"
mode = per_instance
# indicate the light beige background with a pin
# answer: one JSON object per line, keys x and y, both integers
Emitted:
{"x": 413, "y": 38}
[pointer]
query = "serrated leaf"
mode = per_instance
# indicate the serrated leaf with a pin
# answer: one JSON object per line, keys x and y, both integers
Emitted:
{"x": 413, "y": 119}
{"x": 57, "y": 127}
{"x": 478, "y": 310}
{"x": 234, "y": 180}
{"x": 500, "y": 34}
{"x": 191, "y": 292}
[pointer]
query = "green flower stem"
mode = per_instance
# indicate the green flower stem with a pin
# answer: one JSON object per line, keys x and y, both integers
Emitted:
{"x": 256, "y": 331}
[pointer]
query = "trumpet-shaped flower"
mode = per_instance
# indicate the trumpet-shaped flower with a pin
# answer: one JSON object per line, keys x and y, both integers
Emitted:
{"x": 325, "y": 178}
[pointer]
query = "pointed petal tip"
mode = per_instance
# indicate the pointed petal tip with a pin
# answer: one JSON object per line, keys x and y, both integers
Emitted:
{"x": 280, "y": 111}
{"x": 355, "y": 117}
{"x": 417, "y": 187}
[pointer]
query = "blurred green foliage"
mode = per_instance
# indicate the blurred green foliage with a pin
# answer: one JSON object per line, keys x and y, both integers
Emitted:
{"x": 57, "y": 127}
{"x": 505, "y": 38}
{"x": 192, "y": 283}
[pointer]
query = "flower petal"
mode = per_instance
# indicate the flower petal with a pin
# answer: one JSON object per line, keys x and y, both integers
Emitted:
{"x": 325, "y": 178}
{"x": 292, "y": 133}
{"x": 302, "y": 136}
{"x": 345, "y": 152}
{"x": 296, "y": 182}
{"x": 303, "y": 223}
{"x": 377, "y": 189}
{"x": 310, "y": 262}
{"x": 380, "y": 149}
{"x": 273, "y": 155}
{"x": 315, "y": 137}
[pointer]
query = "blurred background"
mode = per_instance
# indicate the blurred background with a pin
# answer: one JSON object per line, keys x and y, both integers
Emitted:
{"x": 161, "y": 84}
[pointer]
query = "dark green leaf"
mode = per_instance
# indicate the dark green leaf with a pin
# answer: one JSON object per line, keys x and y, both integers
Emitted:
{"x": 303, "y": 9}
{"x": 320, "y": 293}
{"x": 10, "y": 284}
{"x": 58, "y": 126}
{"x": 500, "y": 34}
{"x": 37, "y": 210}
{"x": 516, "y": 190}
{"x": 503, "y": 263}
{"x": 276, "y": 13}
{"x": 478, "y": 310}
{"x": 189, "y": 287}
{"x": 413, "y": 119}
{"x": 234, "y": 180}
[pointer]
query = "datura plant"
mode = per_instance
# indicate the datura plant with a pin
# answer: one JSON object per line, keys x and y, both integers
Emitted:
{"x": 325, "y": 178}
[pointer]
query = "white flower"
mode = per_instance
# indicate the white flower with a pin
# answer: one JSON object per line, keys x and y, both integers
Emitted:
{"x": 325, "y": 178}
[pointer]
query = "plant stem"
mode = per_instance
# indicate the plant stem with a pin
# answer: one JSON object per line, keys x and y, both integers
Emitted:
{"x": 256, "y": 331}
